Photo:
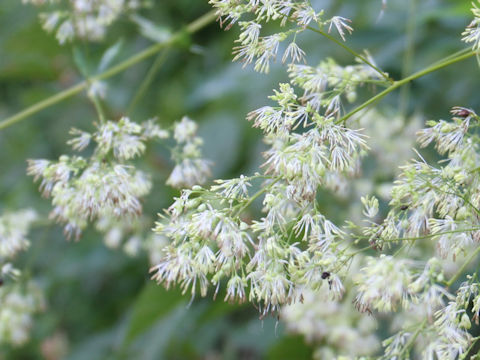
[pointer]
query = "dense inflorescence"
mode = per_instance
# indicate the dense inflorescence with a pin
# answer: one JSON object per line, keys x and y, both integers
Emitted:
{"x": 293, "y": 16}
{"x": 106, "y": 188}
{"x": 441, "y": 202}
{"x": 439, "y": 205}
{"x": 19, "y": 304}
{"x": 472, "y": 32}
{"x": 334, "y": 328}
{"x": 14, "y": 228}
{"x": 82, "y": 19}
{"x": 273, "y": 260}
{"x": 190, "y": 168}
{"x": 19, "y": 301}
{"x": 105, "y": 185}
{"x": 293, "y": 250}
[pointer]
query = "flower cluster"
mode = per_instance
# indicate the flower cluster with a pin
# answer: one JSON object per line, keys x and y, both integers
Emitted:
{"x": 82, "y": 19}
{"x": 14, "y": 228}
{"x": 19, "y": 303}
{"x": 334, "y": 328}
{"x": 13, "y": 231}
{"x": 297, "y": 15}
{"x": 190, "y": 169}
{"x": 440, "y": 203}
{"x": 105, "y": 185}
{"x": 273, "y": 260}
{"x": 428, "y": 203}
{"x": 445, "y": 335}
{"x": 383, "y": 283}
{"x": 472, "y": 32}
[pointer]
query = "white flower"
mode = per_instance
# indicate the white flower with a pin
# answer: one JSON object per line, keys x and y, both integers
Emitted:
{"x": 190, "y": 168}
{"x": 472, "y": 32}
{"x": 84, "y": 19}
{"x": 104, "y": 185}
{"x": 383, "y": 284}
{"x": 13, "y": 231}
{"x": 341, "y": 24}
{"x": 19, "y": 303}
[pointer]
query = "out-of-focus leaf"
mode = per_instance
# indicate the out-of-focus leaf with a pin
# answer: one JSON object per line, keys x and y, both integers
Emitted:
{"x": 151, "y": 30}
{"x": 171, "y": 329}
{"x": 96, "y": 347}
{"x": 256, "y": 335}
{"x": 110, "y": 55}
{"x": 291, "y": 347}
{"x": 153, "y": 303}
{"x": 223, "y": 151}
{"x": 81, "y": 61}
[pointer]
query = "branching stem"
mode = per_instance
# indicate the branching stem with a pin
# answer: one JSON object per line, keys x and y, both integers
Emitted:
{"x": 397, "y": 84}
{"x": 353, "y": 52}
{"x": 460, "y": 271}
{"x": 133, "y": 60}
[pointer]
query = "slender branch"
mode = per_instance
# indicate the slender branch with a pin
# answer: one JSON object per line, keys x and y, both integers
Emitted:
{"x": 400, "y": 83}
{"x": 147, "y": 80}
{"x": 414, "y": 337}
{"x": 98, "y": 107}
{"x": 460, "y": 271}
{"x": 353, "y": 52}
{"x": 428, "y": 236}
{"x": 408, "y": 56}
{"x": 133, "y": 60}
{"x": 256, "y": 196}
{"x": 454, "y": 55}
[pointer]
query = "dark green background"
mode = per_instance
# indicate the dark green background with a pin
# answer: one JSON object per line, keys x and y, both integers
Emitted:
{"x": 102, "y": 300}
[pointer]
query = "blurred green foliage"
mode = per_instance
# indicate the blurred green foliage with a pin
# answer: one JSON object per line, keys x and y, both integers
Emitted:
{"x": 103, "y": 301}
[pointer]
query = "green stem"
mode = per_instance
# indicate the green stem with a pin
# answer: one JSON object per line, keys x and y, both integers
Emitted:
{"x": 148, "y": 80}
{"x": 256, "y": 196}
{"x": 463, "y": 197}
{"x": 414, "y": 337}
{"x": 351, "y": 51}
{"x": 76, "y": 89}
{"x": 408, "y": 57}
{"x": 454, "y": 55}
{"x": 469, "y": 350}
{"x": 98, "y": 108}
{"x": 400, "y": 83}
{"x": 460, "y": 271}
{"x": 423, "y": 237}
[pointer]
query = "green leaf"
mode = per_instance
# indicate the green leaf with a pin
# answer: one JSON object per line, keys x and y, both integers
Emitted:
{"x": 110, "y": 55}
{"x": 81, "y": 61}
{"x": 153, "y": 303}
{"x": 291, "y": 347}
{"x": 150, "y": 30}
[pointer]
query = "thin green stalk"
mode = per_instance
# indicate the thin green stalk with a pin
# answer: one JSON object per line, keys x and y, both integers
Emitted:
{"x": 414, "y": 337}
{"x": 256, "y": 196}
{"x": 353, "y": 52}
{"x": 400, "y": 83}
{"x": 408, "y": 56}
{"x": 463, "y": 197}
{"x": 460, "y": 271}
{"x": 133, "y": 60}
{"x": 423, "y": 237}
{"x": 469, "y": 350}
{"x": 454, "y": 55}
{"x": 98, "y": 108}
{"x": 147, "y": 81}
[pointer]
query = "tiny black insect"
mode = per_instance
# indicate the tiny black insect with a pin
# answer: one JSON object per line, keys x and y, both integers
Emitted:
{"x": 463, "y": 113}
{"x": 325, "y": 275}
{"x": 404, "y": 207}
